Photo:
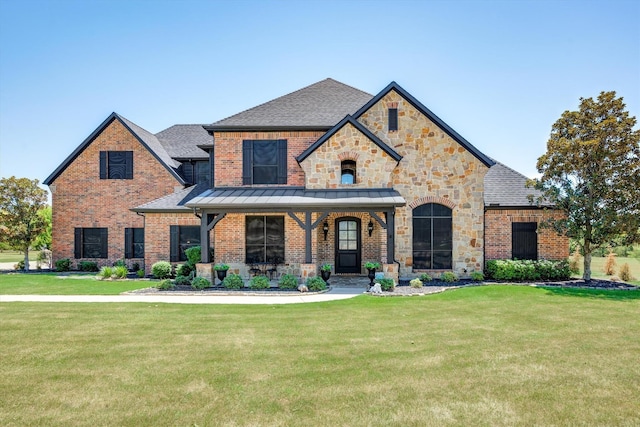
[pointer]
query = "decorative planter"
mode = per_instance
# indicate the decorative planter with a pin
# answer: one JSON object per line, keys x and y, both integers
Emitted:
{"x": 371, "y": 275}
{"x": 325, "y": 275}
{"x": 221, "y": 274}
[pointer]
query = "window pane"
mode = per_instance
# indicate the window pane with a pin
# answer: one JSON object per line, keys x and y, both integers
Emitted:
{"x": 92, "y": 243}
{"x": 202, "y": 173}
{"x": 265, "y": 174}
{"x": 138, "y": 242}
{"x": 424, "y": 210}
{"x": 422, "y": 260}
{"x": 440, "y": 210}
{"x": 189, "y": 237}
{"x": 275, "y": 230}
{"x": 442, "y": 234}
{"x": 421, "y": 234}
{"x": 117, "y": 164}
{"x": 265, "y": 153}
{"x": 441, "y": 260}
{"x": 347, "y": 177}
{"x": 255, "y": 230}
{"x": 255, "y": 254}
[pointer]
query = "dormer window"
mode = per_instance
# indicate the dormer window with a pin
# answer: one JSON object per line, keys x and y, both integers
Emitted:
{"x": 393, "y": 119}
{"x": 348, "y": 169}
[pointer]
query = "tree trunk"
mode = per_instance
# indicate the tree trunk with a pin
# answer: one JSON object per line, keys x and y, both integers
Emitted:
{"x": 26, "y": 259}
{"x": 586, "y": 275}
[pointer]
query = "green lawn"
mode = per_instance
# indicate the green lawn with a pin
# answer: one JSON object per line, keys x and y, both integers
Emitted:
{"x": 597, "y": 268}
{"x": 13, "y": 256}
{"x": 491, "y": 355}
{"x": 54, "y": 284}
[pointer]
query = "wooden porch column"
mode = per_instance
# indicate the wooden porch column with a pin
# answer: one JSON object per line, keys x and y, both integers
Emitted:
{"x": 391, "y": 236}
{"x": 207, "y": 222}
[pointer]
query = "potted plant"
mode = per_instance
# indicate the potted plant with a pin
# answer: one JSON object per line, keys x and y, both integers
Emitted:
{"x": 371, "y": 267}
{"x": 221, "y": 271}
{"x": 325, "y": 272}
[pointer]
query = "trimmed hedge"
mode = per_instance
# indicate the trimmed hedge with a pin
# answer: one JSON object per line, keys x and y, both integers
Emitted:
{"x": 523, "y": 270}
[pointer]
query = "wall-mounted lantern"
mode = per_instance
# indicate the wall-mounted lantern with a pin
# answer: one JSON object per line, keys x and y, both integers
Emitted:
{"x": 370, "y": 228}
{"x": 325, "y": 229}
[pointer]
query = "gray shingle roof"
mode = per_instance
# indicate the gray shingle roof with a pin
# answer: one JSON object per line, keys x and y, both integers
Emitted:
{"x": 505, "y": 187}
{"x": 182, "y": 141}
{"x": 318, "y": 106}
{"x": 152, "y": 142}
{"x": 173, "y": 202}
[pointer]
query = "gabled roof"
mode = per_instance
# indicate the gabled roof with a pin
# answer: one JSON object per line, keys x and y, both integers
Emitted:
{"x": 147, "y": 139}
{"x": 183, "y": 141}
{"x": 424, "y": 110}
{"x": 366, "y": 132}
{"x": 505, "y": 187}
{"x": 315, "y": 107}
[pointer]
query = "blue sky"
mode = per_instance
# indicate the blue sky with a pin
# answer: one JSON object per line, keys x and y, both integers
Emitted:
{"x": 498, "y": 72}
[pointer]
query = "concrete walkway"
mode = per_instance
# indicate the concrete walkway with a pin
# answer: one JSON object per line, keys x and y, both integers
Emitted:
{"x": 333, "y": 295}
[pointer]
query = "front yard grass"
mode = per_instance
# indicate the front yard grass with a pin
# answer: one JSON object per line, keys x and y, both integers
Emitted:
{"x": 75, "y": 284}
{"x": 597, "y": 268}
{"x": 490, "y": 355}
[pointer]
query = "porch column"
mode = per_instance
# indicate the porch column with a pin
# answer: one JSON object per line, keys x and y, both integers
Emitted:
{"x": 207, "y": 222}
{"x": 391, "y": 236}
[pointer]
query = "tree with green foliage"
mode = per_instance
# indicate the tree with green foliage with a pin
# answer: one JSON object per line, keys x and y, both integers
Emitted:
{"x": 591, "y": 171}
{"x": 44, "y": 238}
{"x": 21, "y": 222}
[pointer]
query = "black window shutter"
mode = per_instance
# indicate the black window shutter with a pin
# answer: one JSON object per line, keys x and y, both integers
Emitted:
{"x": 77, "y": 240}
{"x": 104, "y": 247}
{"x": 128, "y": 165}
{"x": 393, "y": 119}
{"x": 103, "y": 165}
{"x": 282, "y": 161}
{"x": 174, "y": 244}
{"x": 128, "y": 242}
{"x": 247, "y": 162}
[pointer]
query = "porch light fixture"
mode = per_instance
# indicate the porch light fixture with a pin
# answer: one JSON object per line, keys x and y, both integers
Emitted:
{"x": 325, "y": 229}
{"x": 370, "y": 228}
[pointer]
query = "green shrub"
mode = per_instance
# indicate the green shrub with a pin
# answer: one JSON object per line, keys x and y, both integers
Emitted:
{"x": 88, "y": 266}
{"x": 416, "y": 283}
{"x": 199, "y": 283}
{"x": 424, "y": 277}
{"x": 140, "y": 274}
{"x": 184, "y": 270}
{"x": 63, "y": 264}
{"x": 288, "y": 281}
{"x": 233, "y": 281}
{"x": 135, "y": 267}
{"x": 183, "y": 280}
{"x": 106, "y": 272}
{"x": 194, "y": 255}
{"x": 166, "y": 285}
{"x": 161, "y": 270}
{"x": 120, "y": 272}
{"x": 120, "y": 263}
{"x": 221, "y": 267}
{"x": 527, "y": 270}
{"x": 448, "y": 277}
{"x": 259, "y": 282}
{"x": 19, "y": 265}
{"x": 316, "y": 284}
{"x": 477, "y": 276}
{"x": 387, "y": 285}
{"x": 372, "y": 265}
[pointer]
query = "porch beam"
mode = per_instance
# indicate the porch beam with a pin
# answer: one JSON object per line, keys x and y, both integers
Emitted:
{"x": 378, "y": 219}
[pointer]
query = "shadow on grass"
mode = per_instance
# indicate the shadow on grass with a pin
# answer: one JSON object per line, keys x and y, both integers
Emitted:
{"x": 614, "y": 294}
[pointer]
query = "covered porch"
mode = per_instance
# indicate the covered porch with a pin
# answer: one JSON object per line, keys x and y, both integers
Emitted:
{"x": 342, "y": 227}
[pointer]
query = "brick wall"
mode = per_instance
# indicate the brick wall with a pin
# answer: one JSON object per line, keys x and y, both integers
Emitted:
{"x": 228, "y": 154}
{"x": 157, "y": 234}
{"x": 81, "y": 199}
{"x": 498, "y": 233}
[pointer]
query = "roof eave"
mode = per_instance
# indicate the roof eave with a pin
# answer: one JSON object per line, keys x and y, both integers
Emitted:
{"x": 264, "y": 128}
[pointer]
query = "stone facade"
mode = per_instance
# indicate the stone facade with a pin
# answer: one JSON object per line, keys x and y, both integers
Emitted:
{"x": 81, "y": 199}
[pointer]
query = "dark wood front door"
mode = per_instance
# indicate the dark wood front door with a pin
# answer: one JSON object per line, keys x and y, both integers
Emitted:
{"x": 348, "y": 245}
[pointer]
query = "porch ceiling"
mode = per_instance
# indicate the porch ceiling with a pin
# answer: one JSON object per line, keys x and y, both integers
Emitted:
{"x": 295, "y": 198}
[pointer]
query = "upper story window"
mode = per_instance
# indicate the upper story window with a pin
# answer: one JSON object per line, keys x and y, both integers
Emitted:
{"x": 264, "y": 161}
{"x": 393, "y": 119}
{"x": 348, "y": 172}
{"x": 116, "y": 165}
{"x": 197, "y": 172}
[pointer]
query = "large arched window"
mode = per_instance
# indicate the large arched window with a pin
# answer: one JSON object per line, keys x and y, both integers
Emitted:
{"x": 348, "y": 172}
{"x": 432, "y": 237}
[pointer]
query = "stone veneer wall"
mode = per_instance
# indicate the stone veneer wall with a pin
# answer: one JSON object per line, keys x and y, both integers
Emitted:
{"x": 498, "y": 233}
{"x": 434, "y": 168}
{"x": 81, "y": 199}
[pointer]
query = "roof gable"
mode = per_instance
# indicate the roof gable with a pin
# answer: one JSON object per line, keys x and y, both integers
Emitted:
{"x": 147, "y": 139}
{"x": 393, "y": 86}
{"x": 366, "y": 132}
{"x": 318, "y": 107}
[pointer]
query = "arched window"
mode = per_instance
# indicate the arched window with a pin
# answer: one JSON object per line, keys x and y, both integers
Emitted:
{"x": 432, "y": 237}
{"x": 348, "y": 169}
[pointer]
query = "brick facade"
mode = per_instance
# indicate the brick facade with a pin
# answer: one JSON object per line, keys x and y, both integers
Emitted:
{"x": 81, "y": 199}
{"x": 498, "y": 233}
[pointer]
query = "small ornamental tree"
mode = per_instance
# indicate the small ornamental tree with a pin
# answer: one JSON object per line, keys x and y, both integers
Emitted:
{"x": 591, "y": 172}
{"x": 21, "y": 222}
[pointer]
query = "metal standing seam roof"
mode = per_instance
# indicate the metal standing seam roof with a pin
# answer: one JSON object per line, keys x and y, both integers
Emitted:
{"x": 295, "y": 198}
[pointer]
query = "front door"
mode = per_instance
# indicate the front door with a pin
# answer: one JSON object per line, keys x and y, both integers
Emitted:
{"x": 347, "y": 245}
